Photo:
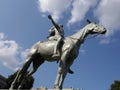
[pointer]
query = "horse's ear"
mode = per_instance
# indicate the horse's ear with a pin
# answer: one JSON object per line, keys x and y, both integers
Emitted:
{"x": 88, "y": 21}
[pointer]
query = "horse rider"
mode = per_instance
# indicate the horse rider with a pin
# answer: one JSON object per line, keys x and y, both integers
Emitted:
{"x": 57, "y": 33}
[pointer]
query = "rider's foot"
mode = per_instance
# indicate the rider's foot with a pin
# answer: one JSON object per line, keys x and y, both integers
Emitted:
{"x": 56, "y": 55}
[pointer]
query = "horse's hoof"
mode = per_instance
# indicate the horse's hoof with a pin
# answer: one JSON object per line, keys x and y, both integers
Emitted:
{"x": 56, "y": 87}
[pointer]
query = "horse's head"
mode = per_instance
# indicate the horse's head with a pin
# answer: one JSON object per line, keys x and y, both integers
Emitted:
{"x": 94, "y": 28}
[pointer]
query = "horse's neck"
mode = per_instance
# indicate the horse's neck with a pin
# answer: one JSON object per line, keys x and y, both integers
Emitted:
{"x": 80, "y": 36}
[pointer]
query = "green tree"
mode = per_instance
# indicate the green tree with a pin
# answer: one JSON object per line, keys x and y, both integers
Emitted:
{"x": 115, "y": 85}
{"x": 27, "y": 84}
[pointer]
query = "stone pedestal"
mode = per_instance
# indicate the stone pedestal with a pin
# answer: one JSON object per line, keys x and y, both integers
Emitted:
{"x": 56, "y": 89}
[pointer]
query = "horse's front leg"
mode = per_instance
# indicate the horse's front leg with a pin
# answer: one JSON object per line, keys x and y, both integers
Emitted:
{"x": 61, "y": 69}
{"x": 66, "y": 69}
{"x": 58, "y": 77}
{"x": 67, "y": 62}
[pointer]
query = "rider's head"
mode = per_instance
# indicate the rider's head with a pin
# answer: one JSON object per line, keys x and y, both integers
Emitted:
{"x": 52, "y": 31}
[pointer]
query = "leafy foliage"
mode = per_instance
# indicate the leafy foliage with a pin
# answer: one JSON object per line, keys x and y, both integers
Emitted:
{"x": 115, "y": 85}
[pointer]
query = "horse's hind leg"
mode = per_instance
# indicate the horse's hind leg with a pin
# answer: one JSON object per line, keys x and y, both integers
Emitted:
{"x": 20, "y": 73}
{"x": 30, "y": 57}
{"x": 36, "y": 63}
{"x": 23, "y": 69}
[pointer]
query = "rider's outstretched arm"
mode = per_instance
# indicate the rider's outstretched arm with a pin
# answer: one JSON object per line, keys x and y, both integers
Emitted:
{"x": 54, "y": 23}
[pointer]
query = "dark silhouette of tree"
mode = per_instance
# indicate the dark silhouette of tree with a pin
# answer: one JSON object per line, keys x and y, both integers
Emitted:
{"x": 27, "y": 84}
{"x": 115, "y": 85}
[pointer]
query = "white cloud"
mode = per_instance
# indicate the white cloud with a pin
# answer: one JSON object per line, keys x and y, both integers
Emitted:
{"x": 109, "y": 40}
{"x": 10, "y": 52}
{"x": 58, "y": 7}
{"x": 108, "y": 13}
{"x": 54, "y": 7}
{"x": 24, "y": 54}
{"x": 80, "y": 8}
{"x": 1, "y": 35}
{"x": 105, "y": 41}
{"x": 83, "y": 51}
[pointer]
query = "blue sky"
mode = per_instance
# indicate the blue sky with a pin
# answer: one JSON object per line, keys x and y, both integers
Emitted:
{"x": 24, "y": 22}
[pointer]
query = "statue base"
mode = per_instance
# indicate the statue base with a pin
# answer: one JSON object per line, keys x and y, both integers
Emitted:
{"x": 55, "y": 89}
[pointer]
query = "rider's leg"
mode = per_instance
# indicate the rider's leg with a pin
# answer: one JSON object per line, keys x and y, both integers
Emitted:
{"x": 56, "y": 49}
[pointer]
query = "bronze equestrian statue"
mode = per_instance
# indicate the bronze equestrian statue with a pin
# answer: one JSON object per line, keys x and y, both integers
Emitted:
{"x": 66, "y": 48}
